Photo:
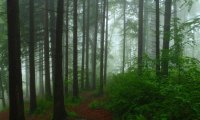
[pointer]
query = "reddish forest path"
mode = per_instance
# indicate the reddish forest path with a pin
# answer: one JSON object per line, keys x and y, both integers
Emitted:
{"x": 83, "y": 111}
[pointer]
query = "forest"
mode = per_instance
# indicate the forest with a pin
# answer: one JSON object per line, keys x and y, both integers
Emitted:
{"x": 99, "y": 60}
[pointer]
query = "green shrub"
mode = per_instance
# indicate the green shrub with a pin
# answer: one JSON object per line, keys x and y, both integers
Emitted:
{"x": 142, "y": 98}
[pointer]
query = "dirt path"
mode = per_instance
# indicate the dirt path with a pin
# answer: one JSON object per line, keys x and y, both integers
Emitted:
{"x": 83, "y": 111}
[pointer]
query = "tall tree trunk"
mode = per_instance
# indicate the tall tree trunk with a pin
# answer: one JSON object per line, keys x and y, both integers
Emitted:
{"x": 87, "y": 84}
{"x": 41, "y": 68}
{"x": 157, "y": 38}
{"x": 46, "y": 53}
{"x": 67, "y": 48}
{"x": 102, "y": 48}
{"x": 16, "y": 103}
{"x": 2, "y": 90}
{"x": 59, "y": 112}
{"x": 106, "y": 45}
{"x": 95, "y": 46}
{"x": 75, "y": 52}
{"x": 83, "y": 49}
{"x": 27, "y": 77}
{"x": 166, "y": 38}
{"x": 124, "y": 37}
{"x": 32, "y": 58}
{"x": 140, "y": 37}
{"x": 52, "y": 36}
{"x": 145, "y": 26}
{"x": 177, "y": 40}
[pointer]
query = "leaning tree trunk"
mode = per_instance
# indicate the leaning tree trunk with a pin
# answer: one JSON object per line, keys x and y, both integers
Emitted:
{"x": 32, "y": 58}
{"x": 59, "y": 112}
{"x": 16, "y": 111}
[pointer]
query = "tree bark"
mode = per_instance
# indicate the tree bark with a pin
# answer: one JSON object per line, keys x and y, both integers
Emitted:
{"x": 41, "y": 61}
{"x": 75, "y": 52}
{"x": 52, "y": 36}
{"x": 124, "y": 37}
{"x": 67, "y": 48}
{"x": 157, "y": 38}
{"x": 102, "y": 48}
{"x": 32, "y": 58}
{"x": 166, "y": 38}
{"x": 16, "y": 111}
{"x": 87, "y": 84}
{"x": 83, "y": 49}
{"x": 95, "y": 46}
{"x": 140, "y": 37}
{"x": 46, "y": 53}
{"x": 106, "y": 45}
{"x": 59, "y": 112}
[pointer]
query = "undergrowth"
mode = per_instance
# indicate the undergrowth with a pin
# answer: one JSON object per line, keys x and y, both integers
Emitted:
{"x": 145, "y": 97}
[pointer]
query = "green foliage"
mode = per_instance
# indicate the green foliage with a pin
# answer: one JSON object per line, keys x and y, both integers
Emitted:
{"x": 133, "y": 97}
{"x": 71, "y": 101}
{"x": 43, "y": 106}
{"x": 72, "y": 114}
{"x": 96, "y": 104}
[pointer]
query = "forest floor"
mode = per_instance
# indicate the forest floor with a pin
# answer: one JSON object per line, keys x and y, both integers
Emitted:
{"x": 82, "y": 111}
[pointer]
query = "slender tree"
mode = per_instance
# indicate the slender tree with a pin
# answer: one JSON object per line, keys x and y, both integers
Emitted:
{"x": 106, "y": 45}
{"x": 41, "y": 68}
{"x": 52, "y": 35}
{"x": 46, "y": 52}
{"x": 87, "y": 84}
{"x": 166, "y": 38}
{"x": 67, "y": 48}
{"x": 95, "y": 46}
{"x": 27, "y": 77}
{"x": 75, "y": 52}
{"x": 157, "y": 37}
{"x": 16, "y": 111}
{"x": 2, "y": 89}
{"x": 83, "y": 48}
{"x": 59, "y": 112}
{"x": 32, "y": 57}
{"x": 124, "y": 37}
{"x": 140, "y": 37}
{"x": 102, "y": 48}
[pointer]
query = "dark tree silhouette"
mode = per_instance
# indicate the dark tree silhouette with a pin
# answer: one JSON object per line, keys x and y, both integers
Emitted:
{"x": 157, "y": 38}
{"x": 75, "y": 55}
{"x": 46, "y": 52}
{"x": 33, "y": 104}
{"x": 140, "y": 37}
{"x": 83, "y": 49}
{"x": 87, "y": 84}
{"x": 102, "y": 48}
{"x": 95, "y": 46}
{"x": 166, "y": 38}
{"x": 59, "y": 112}
{"x": 67, "y": 49}
{"x": 16, "y": 111}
